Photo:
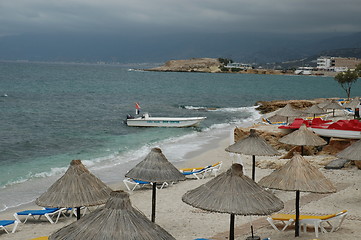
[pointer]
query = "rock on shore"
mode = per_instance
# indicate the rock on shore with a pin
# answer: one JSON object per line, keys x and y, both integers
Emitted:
{"x": 270, "y": 106}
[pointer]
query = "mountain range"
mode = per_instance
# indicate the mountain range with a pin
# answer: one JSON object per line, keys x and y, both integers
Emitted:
{"x": 259, "y": 48}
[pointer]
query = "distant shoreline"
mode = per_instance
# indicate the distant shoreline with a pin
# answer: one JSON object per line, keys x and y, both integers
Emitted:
{"x": 212, "y": 65}
{"x": 254, "y": 71}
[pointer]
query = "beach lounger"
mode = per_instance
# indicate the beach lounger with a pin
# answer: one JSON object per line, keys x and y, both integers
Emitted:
{"x": 316, "y": 221}
{"x": 132, "y": 184}
{"x": 4, "y": 223}
{"x": 48, "y": 213}
{"x": 198, "y": 173}
{"x": 202, "y": 172}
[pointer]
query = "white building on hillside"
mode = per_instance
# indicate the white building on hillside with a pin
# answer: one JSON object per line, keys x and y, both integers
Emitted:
{"x": 336, "y": 64}
{"x": 323, "y": 63}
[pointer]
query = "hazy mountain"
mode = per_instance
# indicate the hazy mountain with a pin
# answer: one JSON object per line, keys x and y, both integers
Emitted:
{"x": 245, "y": 47}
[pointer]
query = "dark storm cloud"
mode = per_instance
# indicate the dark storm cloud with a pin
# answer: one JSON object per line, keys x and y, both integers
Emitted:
{"x": 208, "y": 16}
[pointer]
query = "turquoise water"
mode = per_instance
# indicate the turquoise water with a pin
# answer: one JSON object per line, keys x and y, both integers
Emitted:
{"x": 54, "y": 113}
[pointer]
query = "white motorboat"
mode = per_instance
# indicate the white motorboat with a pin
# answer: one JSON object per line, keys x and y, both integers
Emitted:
{"x": 147, "y": 121}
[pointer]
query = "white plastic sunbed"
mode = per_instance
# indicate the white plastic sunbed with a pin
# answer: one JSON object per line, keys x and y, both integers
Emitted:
{"x": 48, "y": 213}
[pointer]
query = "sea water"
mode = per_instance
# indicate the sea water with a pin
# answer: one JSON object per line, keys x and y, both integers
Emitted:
{"x": 54, "y": 113}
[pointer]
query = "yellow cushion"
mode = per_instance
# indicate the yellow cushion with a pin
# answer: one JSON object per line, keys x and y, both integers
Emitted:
{"x": 286, "y": 217}
{"x": 190, "y": 169}
{"x": 216, "y": 164}
{"x": 196, "y": 169}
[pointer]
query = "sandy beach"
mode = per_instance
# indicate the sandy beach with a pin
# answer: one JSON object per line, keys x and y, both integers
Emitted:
{"x": 185, "y": 222}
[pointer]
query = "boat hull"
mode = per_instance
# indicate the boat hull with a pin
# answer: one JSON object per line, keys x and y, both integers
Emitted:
{"x": 337, "y": 133}
{"x": 164, "y": 122}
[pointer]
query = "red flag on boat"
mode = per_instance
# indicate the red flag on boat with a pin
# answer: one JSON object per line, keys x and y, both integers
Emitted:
{"x": 137, "y": 108}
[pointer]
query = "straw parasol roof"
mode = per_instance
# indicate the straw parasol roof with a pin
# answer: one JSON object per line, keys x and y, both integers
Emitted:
{"x": 353, "y": 104}
{"x": 233, "y": 192}
{"x": 352, "y": 152}
{"x": 333, "y": 105}
{"x": 77, "y": 187}
{"x": 303, "y": 137}
{"x": 155, "y": 168}
{"x": 288, "y": 111}
{"x": 315, "y": 110}
{"x": 116, "y": 220}
{"x": 324, "y": 103}
{"x": 252, "y": 145}
{"x": 298, "y": 175}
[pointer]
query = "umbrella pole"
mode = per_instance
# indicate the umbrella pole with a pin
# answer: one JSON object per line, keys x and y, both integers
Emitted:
{"x": 297, "y": 228}
{"x": 77, "y": 213}
{"x": 154, "y": 200}
{"x": 231, "y": 228}
{"x": 253, "y": 167}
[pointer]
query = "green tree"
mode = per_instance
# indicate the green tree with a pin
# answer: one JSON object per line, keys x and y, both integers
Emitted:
{"x": 346, "y": 79}
{"x": 225, "y": 61}
{"x": 358, "y": 69}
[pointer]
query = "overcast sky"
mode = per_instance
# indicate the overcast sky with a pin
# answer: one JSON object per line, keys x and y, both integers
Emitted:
{"x": 208, "y": 16}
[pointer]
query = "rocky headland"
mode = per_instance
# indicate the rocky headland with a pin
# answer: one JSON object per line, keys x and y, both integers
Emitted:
{"x": 190, "y": 65}
{"x": 214, "y": 65}
{"x": 208, "y": 65}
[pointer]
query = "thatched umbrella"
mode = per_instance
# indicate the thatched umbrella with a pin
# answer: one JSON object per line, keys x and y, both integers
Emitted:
{"x": 233, "y": 192}
{"x": 252, "y": 145}
{"x": 288, "y": 111}
{"x": 303, "y": 137}
{"x": 352, "y": 152}
{"x": 333, "y": 105}
{"x": 324, "y": 103}
{"x": 300, "y": 176}
{"x": 155, "y": 168}
{"x": 353, "y": 104}
{"x": 116, "y": 220}
{"x": 76, "y": 188}
{"x": 315, "y": 110}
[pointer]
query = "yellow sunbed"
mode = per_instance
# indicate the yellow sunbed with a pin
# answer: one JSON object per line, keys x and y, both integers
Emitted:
{"x": 316, "y": 221}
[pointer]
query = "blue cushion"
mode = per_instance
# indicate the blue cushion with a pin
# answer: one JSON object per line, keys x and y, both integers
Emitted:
{"x": 140, "y": 182}
{"x": 6, "y": 222}
{"x": 37, "y": 212}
